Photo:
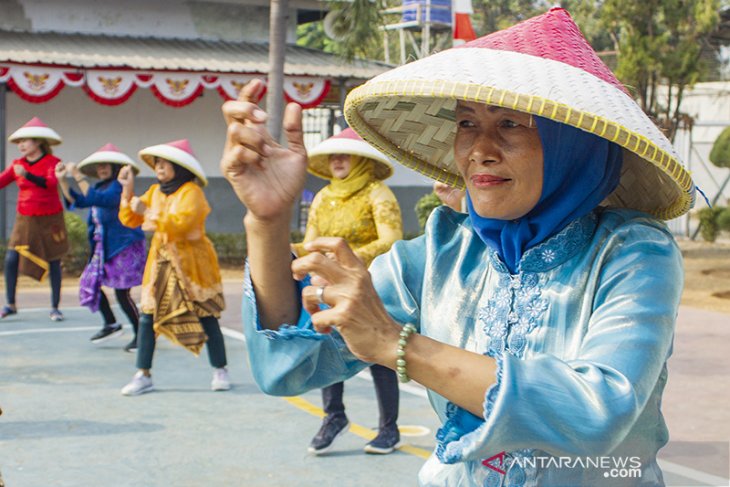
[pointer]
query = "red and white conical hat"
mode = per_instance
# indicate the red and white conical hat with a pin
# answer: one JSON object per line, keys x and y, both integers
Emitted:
{"x": 542, "y": 66}
{"x": 347, "y": 142}
{"x": 108, "y": 154}
{"x": 178, "y": 152}
{"x": 36, "y": 129}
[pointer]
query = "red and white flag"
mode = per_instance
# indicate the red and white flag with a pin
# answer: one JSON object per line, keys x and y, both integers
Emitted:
{"x": 463, "y": 30}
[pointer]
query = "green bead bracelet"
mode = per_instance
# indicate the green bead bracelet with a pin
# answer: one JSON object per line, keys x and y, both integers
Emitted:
{"x": 400, "y": 363}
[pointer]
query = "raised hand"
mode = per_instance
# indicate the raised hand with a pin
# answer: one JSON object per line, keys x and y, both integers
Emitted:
{"x": 137, "y": 206}
{"x": 354, "y": 306}
{"x": 266, "y": 177}
{"x": 126, "y": 179}
{"x": 448, "y": 195}
{"x": 60, "y": 171}
{"x": 72, "y": 169}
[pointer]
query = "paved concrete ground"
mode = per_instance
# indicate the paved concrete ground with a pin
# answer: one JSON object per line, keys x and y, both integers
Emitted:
{"x": 65, "y": 423}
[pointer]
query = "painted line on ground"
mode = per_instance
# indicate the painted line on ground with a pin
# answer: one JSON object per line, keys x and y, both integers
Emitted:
{"x": 369, "y": 434}
{"x": 308, "y": 407}
{"x": 48, "y": 330}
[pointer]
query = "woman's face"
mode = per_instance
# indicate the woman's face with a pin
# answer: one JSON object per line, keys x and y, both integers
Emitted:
{"x": 340, "y": 165}
{"x": 104, "y": 170}
{"x": 29, "y": 148}
{"x": 499, "y": 155}
{"x": 164, "y": 170}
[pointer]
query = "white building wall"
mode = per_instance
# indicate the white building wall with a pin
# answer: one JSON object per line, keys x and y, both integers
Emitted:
{"x": 140, "y": 122}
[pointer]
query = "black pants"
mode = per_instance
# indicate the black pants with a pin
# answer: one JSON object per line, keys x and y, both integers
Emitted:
{"x": 12, "y": 259}
{"x": 127, "y": 304}
{"x": 146, "y": 342}
{"x": 386, "y": 391}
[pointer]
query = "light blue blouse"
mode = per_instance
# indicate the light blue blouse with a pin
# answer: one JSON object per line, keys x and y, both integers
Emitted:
{"x": 581, "y": 335}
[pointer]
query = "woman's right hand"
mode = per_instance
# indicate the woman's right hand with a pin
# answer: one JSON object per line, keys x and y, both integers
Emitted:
{"x": 60, "y": 171}
{"x": 137, "y": 205}
{"x": 266, "y": 177}
{"x": 126, "y": 179}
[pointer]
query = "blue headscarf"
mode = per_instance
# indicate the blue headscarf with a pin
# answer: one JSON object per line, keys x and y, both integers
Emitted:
{"x": 579, "y": 170}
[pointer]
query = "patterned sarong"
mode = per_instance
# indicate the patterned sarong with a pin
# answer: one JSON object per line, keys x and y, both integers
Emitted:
{"x": 176, "y": 316}
{"x": 38, "y": 240}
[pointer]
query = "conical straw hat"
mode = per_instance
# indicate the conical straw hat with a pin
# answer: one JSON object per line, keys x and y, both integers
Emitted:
{"x": 347, "y": 142}
{"x": 179, "y": 152}
{"x": 542, "y": 66}
{"x": 108, "y": 154}
{"x": 36, "y": 129}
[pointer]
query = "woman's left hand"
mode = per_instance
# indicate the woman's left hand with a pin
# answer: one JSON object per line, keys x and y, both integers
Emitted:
{"x": 19, "y": 170}
{"x": 355, "y": 308}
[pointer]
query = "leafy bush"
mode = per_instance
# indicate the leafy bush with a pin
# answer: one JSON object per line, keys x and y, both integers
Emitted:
{"x": 425, "y": 206}
{"x": 709, "y": 226}
{"x": 78, "y": 245}
{"x": 230, "y": 247}
{"x": 720, "y": 153}
{"x": 723, "y": 219}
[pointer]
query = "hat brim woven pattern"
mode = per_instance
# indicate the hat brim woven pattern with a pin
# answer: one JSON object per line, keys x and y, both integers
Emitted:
{"x": 175, "y": 155}
{"x": 88, "y": 165}
{"x": 409, "y": 114}
{"x": 318, "y": 164}
{"x": 46, "y": 133}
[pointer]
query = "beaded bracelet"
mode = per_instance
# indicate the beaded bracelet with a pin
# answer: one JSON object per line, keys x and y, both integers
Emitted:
{"x": 400, "y": 363}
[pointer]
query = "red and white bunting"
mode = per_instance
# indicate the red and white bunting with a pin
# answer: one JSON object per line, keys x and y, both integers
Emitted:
{"x": 38, "y": 84}
{"x": 35, "y": 84}
{"x": 110, "y": 87}
{"x": 177, "y": 89}
{"x": 308, "y": 92}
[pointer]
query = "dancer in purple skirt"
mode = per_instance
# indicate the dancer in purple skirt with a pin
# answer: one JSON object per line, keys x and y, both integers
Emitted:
{"x": 117, "y": 252}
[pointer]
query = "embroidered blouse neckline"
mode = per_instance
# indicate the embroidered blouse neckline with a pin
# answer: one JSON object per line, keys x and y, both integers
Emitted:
{"x": 555, "y": 250}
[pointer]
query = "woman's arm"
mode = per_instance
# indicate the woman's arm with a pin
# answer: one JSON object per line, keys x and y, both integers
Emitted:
{"x": 60, "y": 172}
{"x": 7, "y": 176}
{"x": 266, "y": 177}
{"x": 190, "y": 212}
{"x": 80, "y": 178}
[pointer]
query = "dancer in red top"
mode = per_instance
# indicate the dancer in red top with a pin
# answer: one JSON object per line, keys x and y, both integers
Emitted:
{"x": 38, "y": 241}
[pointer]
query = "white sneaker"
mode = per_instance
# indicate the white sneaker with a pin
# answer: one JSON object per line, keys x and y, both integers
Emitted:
{"x": 139, "y": 385}
{"x": 220, "y": 381}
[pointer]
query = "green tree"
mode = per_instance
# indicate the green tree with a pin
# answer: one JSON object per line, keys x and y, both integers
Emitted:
{"x": 356, "y": 28}
{"x": 659, "y": 43}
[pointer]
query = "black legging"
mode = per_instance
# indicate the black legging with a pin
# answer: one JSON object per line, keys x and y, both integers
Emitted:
{"x": 146, "y": 342}
{"x": 386, "y": 391}
{"x": 127, "y": 304}
{"x": 12, "y": 259}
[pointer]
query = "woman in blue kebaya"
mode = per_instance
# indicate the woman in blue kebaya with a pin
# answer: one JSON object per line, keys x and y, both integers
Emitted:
{"x": 542, "y": 320}
{"x": 117, "y": 252}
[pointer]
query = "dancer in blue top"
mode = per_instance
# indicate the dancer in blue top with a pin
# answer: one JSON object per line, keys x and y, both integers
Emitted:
{"x": 541, "y": 321}
{"x": 117, "y": 252}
